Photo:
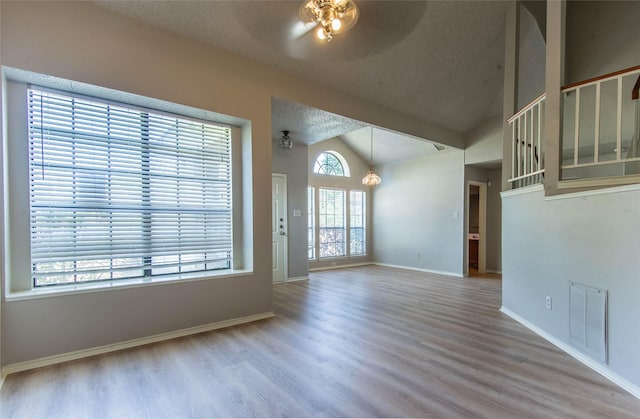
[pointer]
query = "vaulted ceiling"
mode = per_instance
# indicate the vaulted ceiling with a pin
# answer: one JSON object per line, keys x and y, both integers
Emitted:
{"x": 439, "y": 61}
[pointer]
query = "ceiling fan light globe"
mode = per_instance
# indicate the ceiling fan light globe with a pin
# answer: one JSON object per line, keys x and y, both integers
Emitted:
{"x": 336, "y": 24}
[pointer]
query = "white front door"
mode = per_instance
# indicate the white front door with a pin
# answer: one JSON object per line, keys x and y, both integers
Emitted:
{"x": 279, "y": 227}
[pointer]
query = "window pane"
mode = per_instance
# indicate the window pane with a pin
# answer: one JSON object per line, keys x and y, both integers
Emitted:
{"x": 328, "y": 164}
{"x": 358, "y": 223}
{"x": 118, "y": 192}
{"x": 332, "y": 230}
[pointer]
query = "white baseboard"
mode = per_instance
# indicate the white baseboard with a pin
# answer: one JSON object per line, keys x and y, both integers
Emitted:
{"x": 412, "y": 268}
{"x": 99, "y": 350}
{"x": 297, "y": 278}
{"x": 494, "y": 272}
{"x": 350, "y": 265}
{"x": 597, "y": 367}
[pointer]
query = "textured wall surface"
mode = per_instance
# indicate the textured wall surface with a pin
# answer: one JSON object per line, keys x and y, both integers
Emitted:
{"x": 419, "y": 214}
{"x": 591, "y": 239}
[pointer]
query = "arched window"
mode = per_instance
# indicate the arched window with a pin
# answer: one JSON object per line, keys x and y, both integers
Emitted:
{"x": 331, "y": 163}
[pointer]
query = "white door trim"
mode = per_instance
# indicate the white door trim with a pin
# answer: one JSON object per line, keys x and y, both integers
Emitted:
{"x": 285, "y": 248}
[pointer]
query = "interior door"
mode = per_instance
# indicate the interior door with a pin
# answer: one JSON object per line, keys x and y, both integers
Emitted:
{"x": 279, "y": 227}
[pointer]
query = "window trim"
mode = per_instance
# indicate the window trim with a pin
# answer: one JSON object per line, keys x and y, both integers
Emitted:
{"x": 346, "y": 171}
{"x": 347, "y": 216}
{"x": 20, "y": 287}
{"x": 311, "y": 216}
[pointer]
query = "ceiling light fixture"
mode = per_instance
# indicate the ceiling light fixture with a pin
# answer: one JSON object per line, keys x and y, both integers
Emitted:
{"x": 371, "y": 179}
{"x": 285, "y": 141}
{"x": 333, "y": 16}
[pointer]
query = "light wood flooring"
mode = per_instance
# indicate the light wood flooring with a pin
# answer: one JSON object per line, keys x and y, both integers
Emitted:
{"x": 358, "y": 342}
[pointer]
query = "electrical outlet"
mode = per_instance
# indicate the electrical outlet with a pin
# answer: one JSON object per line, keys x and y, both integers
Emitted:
{"x": 547, "y": 302}
{"x": 419, "y": 255}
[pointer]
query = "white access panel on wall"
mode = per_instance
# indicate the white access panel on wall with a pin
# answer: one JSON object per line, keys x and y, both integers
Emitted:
{"x": 588, "y": 320}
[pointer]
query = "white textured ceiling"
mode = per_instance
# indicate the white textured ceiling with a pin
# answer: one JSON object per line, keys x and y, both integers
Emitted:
{"x": 388, "y": 146}
{"x": 308, "y": 125}
{"x": 439, "y": 61}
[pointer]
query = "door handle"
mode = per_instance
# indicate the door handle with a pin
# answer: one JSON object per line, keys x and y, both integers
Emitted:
{"x": 282, "y": 233}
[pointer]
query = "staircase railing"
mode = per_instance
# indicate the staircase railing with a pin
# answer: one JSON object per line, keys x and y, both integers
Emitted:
{"x": 527, "y": 126}
{"x": 600, "y": 126}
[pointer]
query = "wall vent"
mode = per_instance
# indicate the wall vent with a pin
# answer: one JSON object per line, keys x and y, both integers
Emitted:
{"x": 588, "y": 320}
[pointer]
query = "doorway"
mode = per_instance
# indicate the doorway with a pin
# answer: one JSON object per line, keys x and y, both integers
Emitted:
{"x": 476, "y": 221}
{"x": 279, "y": 227}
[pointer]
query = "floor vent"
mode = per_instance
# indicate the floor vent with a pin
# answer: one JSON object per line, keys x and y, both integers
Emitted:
{"x": 588, "y": 320}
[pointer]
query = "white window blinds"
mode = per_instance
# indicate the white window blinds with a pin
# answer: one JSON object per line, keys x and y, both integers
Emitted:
{"x": 119, "y": 192}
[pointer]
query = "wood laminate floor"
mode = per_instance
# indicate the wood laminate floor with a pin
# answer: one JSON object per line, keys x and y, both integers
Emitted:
{"x": 358, "y": 342}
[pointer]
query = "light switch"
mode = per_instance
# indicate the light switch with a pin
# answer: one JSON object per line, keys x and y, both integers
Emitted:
{"x": 297, "y": 213}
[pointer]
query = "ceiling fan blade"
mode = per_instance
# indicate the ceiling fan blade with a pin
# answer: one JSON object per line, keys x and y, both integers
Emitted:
{"x": 300, "y": 29}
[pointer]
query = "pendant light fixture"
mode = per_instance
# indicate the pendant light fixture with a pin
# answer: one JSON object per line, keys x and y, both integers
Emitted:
{"x": 371, "y": 179}
{"x": 286, "y": 143}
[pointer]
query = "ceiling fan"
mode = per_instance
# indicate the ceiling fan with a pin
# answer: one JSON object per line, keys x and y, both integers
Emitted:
{"x": 292, "y": 27}
{"x": 332, "y": 17}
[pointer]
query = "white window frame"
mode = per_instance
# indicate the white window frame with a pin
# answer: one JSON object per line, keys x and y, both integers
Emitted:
{"x": 347, "y": 224}
{"x": 346, "y": 172}
{"x": 353, "y": 220}
{"x": 17, "y": 271}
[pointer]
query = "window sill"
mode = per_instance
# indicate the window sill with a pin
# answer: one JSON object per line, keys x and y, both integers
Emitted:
{"x": 329, "y": 258}
{"x": 92, "y": 287}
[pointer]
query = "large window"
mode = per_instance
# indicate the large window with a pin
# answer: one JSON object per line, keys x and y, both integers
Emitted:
{"x": 118, "y": 192}
{"x": 337, "y": 218}
{"x": 335, "y": 227}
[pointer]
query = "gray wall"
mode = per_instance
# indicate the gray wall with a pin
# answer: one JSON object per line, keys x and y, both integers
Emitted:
{"x": 358, "y": 169}
{"x": 32, "y": 35}
{"x": 601, "y": 37}
{"x": 591, "y": 238}
{"x": 294, "y": 164}
{"x": 414, "y": 221}
{"x": 531, "y": 59}
{"x": 484, "y": 142}
{"x": 85, "y": 43}
{"x": 594, "y": 240}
